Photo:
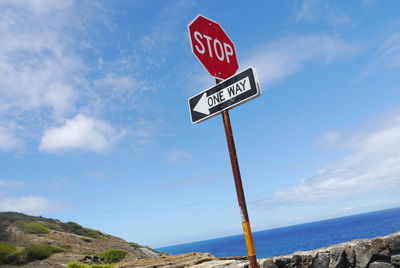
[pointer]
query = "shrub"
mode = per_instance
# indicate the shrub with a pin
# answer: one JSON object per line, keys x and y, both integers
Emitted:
{"x": 6, "y": 249}
{"x": 112, "y": 255}
{"x": 65, "y": 246}
{"x": 18, "y": 257}
{"x": 88, "y": 252}
{"x": 53, "y": 226}
{"x": 31, "y": 253}
{"x": 80, "y": 265}
{"x": 89, "y": 233}
{"x": 33, "y": 227}
{"x": 88, "y": 240}
{"x": 79, "y": 230}
{"x": 76, "y": 265}
{"x": 41, "y": 252}
{"x": 135, "y": 245}
{"x": 4, "y": 235}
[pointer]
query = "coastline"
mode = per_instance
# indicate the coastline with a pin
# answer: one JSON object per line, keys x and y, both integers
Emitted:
{"x": 378, "y": 252}
{"x": 300, "y": 237}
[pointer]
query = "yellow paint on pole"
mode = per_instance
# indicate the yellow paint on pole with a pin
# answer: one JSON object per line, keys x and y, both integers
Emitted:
{"x": 249, "y": 239}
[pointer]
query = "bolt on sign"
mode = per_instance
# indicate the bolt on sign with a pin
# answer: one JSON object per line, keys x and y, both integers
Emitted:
{"x": 215, "y": 50}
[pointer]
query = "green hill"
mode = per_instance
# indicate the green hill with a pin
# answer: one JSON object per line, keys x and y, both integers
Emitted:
{"x": 29, "y": 240}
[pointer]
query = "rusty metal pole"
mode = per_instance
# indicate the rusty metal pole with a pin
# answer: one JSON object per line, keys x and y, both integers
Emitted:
{"x": 248, "y": 236}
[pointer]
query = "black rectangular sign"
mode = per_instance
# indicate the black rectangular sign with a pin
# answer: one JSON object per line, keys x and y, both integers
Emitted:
{"x": 227, "y": 94}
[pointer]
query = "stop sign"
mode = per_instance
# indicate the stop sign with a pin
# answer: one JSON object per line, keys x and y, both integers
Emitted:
{"x": 213, "y": 48}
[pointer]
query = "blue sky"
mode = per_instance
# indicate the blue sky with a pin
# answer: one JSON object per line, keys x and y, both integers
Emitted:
{"x": 95, "y": 128}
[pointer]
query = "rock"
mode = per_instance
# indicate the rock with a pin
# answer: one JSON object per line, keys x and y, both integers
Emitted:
{"x": 393, "y": 242}
{"x": 92, "y": 260}
{"x": 209, "y": 264}
{"x": 283, "y": 262}
{"x": 380, "y": 265}
{"x": 395, "y": 260}
{"x": 350, "y": 256}
{"x": 306, "y": 261}
{"x": 380, "y": 250}
{"x": 295, "y": 261}
{"x": 267, "y": 263}
{"x": 321, "y": 260}
{"x": 337, "y": 257}
{"x": 363, "y": 254}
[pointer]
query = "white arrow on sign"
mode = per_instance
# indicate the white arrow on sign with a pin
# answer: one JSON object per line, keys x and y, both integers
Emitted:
{"x": 207, "y": 102}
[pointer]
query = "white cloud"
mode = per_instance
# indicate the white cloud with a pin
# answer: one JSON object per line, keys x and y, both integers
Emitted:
{"x": 39, "y": 6}
{"x": 164, "y": 31}
{"x": 33, "y": 205}
{"x": 116, "y": 93}
{"x": 47, "y": 76}
{"x": 373, "y": 166}
{"x": 321, "y": 10}
{"x": 329, "y": 139}
{"x": 176, "y": 156}
{"x": 8, "y": 139}
{"x": 192, "y": 181}
{"x": 81, "y": 133}
{"x": 4, "y": 183}
{"x": 40, "y": 68}
{"x": 281, "y": 58}
{"x": 386, "y": 56}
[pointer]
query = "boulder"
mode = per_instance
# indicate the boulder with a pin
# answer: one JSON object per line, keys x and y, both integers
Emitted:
{"x": 395, "y": 260}
{"x": 363, "y": 253}
{"x": 337, "y": 257}
{"x": 379, "y": 264}
{"x": 380, "y": 250}
{"x": 267, "y": 263}
{"x": 283, "y": 262}
{"x": 321, "y": 260}
{"x": 305, "y": 261}
{"x": 350, "y": 256}
{"x": 92, "y": 260}
{"x": 393, "y": 242}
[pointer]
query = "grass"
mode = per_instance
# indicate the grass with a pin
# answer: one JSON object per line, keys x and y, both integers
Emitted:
{"x": 4, "y": 235}
{"x": 112, "y": 255}
{"x": 33, "y": 227}
{"x": 11, "y": 217}
{"x": 31, "y": 253}
{"x": 54, "y": 226}
{"x": 79, "y": 230}
{"x": 6, "y": 249}
{"x": 41, "y": 252}
{"x": 65, "y": 246}
{"x": 80, "y": 265}
{"x": 135, "y": 245}
{"x": 33, "y": 224}
{"x": 88, "y": 252}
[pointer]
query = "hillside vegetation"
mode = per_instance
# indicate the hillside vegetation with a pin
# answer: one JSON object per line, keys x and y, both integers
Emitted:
{"x": 26, "y": 240}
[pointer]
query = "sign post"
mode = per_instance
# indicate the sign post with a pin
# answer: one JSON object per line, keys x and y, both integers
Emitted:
{"x": 248, "y": 236}
{"x": 217, "y": 53}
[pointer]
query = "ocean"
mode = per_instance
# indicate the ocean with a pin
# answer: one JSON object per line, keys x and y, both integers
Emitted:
{"x": 286, "y": 240}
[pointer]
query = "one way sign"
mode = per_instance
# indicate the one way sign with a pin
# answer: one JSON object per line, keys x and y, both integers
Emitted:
{"x": 227, "y": 94}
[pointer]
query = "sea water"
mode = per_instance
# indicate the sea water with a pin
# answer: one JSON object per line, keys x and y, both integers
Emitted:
{"x": 306, "y": 236}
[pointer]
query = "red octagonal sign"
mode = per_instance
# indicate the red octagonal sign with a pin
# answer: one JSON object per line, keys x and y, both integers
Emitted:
{"x": 213, "y": 48}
